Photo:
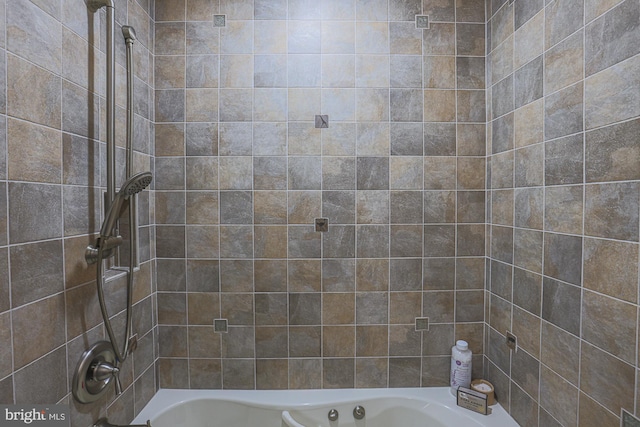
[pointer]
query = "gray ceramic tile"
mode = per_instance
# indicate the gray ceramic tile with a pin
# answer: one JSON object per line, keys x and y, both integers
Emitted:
{"x": 439, "y": 139}
{"x": 31, "y": 87}
{"x": 470, "y": 11}
{"x": 304, "y": 309}
{"x": 501, "y": 24}
{"x": 339, "y": 242}
{"x": 439, "y": 39}
{"x": 25, "y": 198}
{"x": 612, "y": 38}
{"x": 471, "y": 106}
{"x": 502, "y": 134}
{"x": 405, "y": 71}
{"x": 603, "y": 153}
{"x": 170, "y": 242}
{"x": 372, "y": 173}
{"x": 599, "y": 372}
{"x": 562, "y": 18}
{"x": 404, "y": 38}
{"x": 270, "y": 173}
{"x": 529, "y": 166}
{"x": 563, "y": 257}
{"x": 502, "y": 97}
{"x": 202, "y": 71}
{"x": 33, "y": 278}
{"x": 439, "y": 240}
{"x": 561, "y": 305}
{"x": 470, "y": 39}
{"x": 42, "y": 320}
{"x": 559, "y": 398}
{"x": 594, "y": 8}
{"x": 236, "y": 105}
{"x": 527, "y": 290}
{"x": 502, "y": 243}
{"x": 27, "y": 389}
{"x": 611, "y": 211}
{"x": 170, "y": 38}
{"x": 470, "y": 73}
{"x": 564, "y": 207}
{"x": 34, "y": 34}
{"x": 607, "y": 99}
{"x": 528, "y": 82}
{"x": 304, "y": 173}
{"x": 501, "y": 279}
{"x": 236, "y": 207}
{"x": 439, "y": 206}
{"x": 559, "y": 352}
{"x": 204, "y": 39}
{"x": 366, "y": 235}
{"x": 5, "y": 338}
{"x": 526, "y": 10}
{"x": 564, "y": 63}
{"x": 564, "y": 160}
{"x": 405, "y": 241}
{"x": 339, "y": 173}
{"x": 406, "y": 139}
{"x": 564, "y": 112}
{"x": 523, "y": 407}
{"x": 525, "y": 371}
{"x": 608, "y": 268}
{"x": 606, "y": 323}
{"x": 268, "y": 9}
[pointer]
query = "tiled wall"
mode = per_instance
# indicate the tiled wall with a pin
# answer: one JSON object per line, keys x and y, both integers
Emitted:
{"x": 564, "y": 104}
{"x": 242, "y": 173}
{"x": 52, "y": 175}
{"x": 400, "y": 173}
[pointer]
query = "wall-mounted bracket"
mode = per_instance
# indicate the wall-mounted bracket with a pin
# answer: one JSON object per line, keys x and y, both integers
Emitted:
{"x": 512, "y": 341}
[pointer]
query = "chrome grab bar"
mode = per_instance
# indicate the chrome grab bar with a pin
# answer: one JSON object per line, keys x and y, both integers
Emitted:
{"x": 103, "y": 422}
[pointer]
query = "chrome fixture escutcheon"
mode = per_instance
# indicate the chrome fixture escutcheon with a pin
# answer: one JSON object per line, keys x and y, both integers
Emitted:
{"x": 94, "y": 372}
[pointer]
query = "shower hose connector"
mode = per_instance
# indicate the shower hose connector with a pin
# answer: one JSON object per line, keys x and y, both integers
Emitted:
{"x": 107, "y": 243}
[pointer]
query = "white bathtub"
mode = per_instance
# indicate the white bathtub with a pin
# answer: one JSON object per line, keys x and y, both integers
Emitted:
{"x": 403, "y": 407}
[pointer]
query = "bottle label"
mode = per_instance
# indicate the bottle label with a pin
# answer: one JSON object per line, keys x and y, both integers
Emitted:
{"x": 460, "y": 373}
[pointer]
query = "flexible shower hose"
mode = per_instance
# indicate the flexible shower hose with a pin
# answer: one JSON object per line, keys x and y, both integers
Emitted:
{"x": 121, "y": 356}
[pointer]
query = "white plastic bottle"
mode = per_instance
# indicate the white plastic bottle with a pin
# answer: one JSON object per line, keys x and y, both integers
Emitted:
{"x": 460, "y": 366}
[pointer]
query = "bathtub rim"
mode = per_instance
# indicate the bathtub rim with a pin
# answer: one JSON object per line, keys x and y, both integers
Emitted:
{"x": 167, "y": 399}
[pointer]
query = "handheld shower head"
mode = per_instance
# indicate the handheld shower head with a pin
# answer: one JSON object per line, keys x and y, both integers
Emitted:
{"x": 136, "y": 184}
{"x": 107, "y": 241}
{"x": 133, "y": 185}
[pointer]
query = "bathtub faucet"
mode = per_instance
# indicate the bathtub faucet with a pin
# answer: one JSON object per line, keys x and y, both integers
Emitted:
{"x": 103, "y": 422}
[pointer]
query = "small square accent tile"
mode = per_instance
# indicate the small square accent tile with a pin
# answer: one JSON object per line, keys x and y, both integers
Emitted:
{"x": 220, "y": 325}
{"x": 219, "y": 20}
{"x": 322, "y": 224}
{"x": 322, "y": 121}
{"x": 422, "y": 323}
{"x": 422, "y": 21}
